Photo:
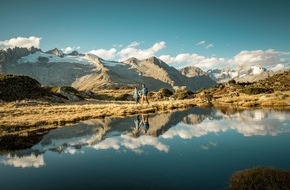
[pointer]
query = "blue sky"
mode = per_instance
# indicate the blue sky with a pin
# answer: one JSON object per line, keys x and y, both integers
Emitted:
{"x": 207, "y": 33}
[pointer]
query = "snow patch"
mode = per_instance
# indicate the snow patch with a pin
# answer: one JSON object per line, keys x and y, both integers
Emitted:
{"x": 33, "y": 58}
{"x": 111, "y": 63}
{"x": 256, "y": 70}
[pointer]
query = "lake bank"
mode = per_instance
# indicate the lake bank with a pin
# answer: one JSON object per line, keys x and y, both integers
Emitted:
{"x": 29, "y": 115}
{"x": 22, "y": 115}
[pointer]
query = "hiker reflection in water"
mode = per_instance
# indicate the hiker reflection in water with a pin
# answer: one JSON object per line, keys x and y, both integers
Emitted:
{"x": 145, "y": 122}
{"x": 137, "y": 122}
{"x": 136, "y": 129}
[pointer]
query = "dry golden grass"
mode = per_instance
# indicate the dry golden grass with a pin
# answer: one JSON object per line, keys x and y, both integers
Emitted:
{"x": 31, "y": 115}
{"x": 261, "y": 178}
{"x": 275, "y": 100}
{"x": 25, "y": 116}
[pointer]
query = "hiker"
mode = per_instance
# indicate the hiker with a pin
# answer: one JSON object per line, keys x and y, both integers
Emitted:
{"x": 144, "y": 93}
{"x": 137, "y": 122}
{"x": 145, "y": 122}
{"x": 136, "y": 95}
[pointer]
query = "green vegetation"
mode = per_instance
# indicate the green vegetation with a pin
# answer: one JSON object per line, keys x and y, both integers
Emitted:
{"x": 164, "y": 92}
{"x": 43, "y": 59}
{"x": 182, "y": 94}
{"x": 123, "y": 97}
{"x": 261, "y": 178}
{"x": 256, "y": 90}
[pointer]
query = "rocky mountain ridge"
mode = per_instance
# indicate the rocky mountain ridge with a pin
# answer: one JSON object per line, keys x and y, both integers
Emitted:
{"x": 90, "y": 72}
{"x": 240, "y": 74}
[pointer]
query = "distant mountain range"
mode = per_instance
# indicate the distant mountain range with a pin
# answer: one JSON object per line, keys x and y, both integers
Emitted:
{"x": 240, "y": 74}
{"x": 89, "y": 72}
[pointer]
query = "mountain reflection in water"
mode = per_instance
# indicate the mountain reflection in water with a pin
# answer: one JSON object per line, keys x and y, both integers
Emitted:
{"x": 129, "y": 133}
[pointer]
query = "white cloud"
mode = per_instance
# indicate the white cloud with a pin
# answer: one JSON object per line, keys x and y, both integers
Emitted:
{"x": 200, "y": 43}
{"x": 186, "y": 59}
{"x": 70, "y": 49}
{"x": 21, "y": 42}
{"x": 105, "y": 54}
{"x": 132, "y": 51}
{"x": 117, "y": 45}
{"x": 204, "y": 44}
{"x": 268, "y": 58}
{"x": 134, "y": 44}
{"x": 167, "y": 58}
{"x": 209, "y": 46}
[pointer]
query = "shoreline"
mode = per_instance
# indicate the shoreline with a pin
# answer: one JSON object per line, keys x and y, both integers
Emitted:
{"x": 33, "y": 115}
{"x": 30, "y": 115}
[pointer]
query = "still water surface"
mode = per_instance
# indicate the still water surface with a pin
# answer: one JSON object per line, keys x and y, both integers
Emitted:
{"x": 192, "y": 149}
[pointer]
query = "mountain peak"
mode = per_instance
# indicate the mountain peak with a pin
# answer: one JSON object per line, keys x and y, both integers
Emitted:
{"x": 75, "y": 53}
{"x": 56, "y": 52}
{"x": 132, "y": 60}
{"x": 154, "y": 60}
{"x": 191, "y": 71}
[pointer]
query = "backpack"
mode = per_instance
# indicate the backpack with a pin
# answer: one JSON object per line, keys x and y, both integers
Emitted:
{"x": 146, "y": 90}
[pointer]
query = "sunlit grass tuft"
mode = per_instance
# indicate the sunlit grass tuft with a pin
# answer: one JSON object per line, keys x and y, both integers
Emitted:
{"x": 261, "y": 178}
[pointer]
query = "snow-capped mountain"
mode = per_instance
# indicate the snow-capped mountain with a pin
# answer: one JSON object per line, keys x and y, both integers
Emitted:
{"x": 88, "y": 72}
{"x": 240, "y": 74}
{"x": 222, "y": 75}
{"x": 51, "y": 58}
{"x": 56, "y": 52}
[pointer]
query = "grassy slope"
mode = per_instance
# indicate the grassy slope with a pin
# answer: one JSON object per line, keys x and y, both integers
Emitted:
{"x": 261, "y": 178}
{"x": 272, "y": 92}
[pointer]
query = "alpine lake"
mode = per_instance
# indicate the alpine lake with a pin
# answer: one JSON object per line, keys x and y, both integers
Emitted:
{"x": 198, "y": 148}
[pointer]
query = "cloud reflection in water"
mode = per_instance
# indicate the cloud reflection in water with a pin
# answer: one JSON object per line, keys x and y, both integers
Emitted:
{"x": 32, "y": 160}
{"x": 118, "y": 133}
{"x": 131, "y": 143}
{"x": 248, "y": 123}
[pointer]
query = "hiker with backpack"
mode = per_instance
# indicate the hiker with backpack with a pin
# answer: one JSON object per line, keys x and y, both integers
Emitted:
{"x": 144, "y": 93}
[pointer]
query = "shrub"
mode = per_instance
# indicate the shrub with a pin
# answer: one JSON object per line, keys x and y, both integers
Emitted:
{"x": 181, "y": 95}
{"x": 126, "y": 87}
{"x": 256, "y": 90}
{"x": 164, "y": 92}
{"x": 122, "y": 97}
{"x": 43, "y": 59}
{"x": 261, "y": 178}
{"x": 232, "y": 82}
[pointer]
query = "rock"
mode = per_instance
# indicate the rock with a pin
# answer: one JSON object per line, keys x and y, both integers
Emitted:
{"x": 191, "y": 71}
{"x": 56, "y": 52}
{"x": 43, "y": 59}
{"x": 74, "y": 53}
{"x": 13, "y": 87}
{"x": 69, "y": 92}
